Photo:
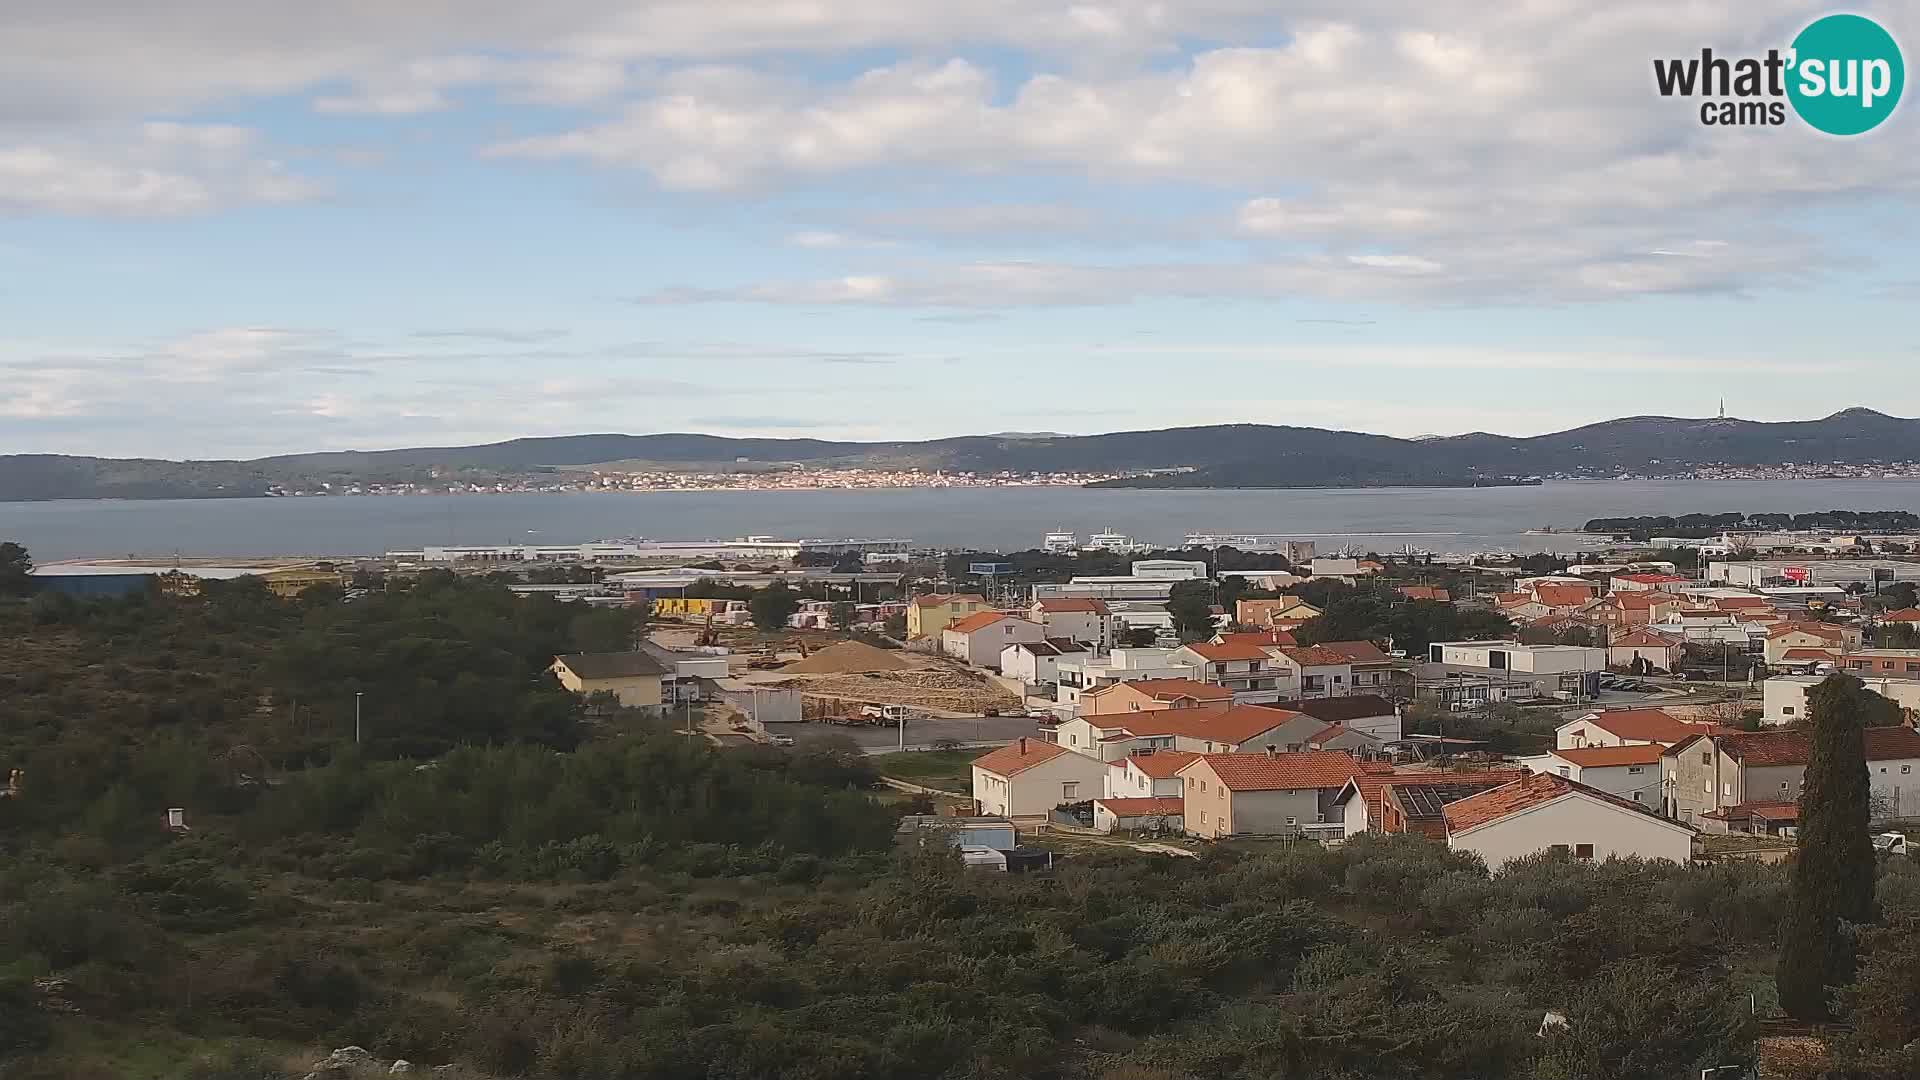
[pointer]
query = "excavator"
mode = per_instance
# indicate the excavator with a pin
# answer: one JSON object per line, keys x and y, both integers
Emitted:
{"x": 707, "y": 637}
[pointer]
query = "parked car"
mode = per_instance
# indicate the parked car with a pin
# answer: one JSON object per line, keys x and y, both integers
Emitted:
{"x": 782, "y": 740}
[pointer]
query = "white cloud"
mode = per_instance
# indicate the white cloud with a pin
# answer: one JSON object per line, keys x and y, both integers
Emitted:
{"x": 161, "y": 170}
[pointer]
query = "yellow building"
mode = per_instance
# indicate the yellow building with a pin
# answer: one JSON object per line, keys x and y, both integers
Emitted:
{"x": 634, "y": 677}
{"x": 930, "y": 614}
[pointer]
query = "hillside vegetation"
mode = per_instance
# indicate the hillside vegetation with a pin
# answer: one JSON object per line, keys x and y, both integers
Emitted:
{"x": 501, "y": 881}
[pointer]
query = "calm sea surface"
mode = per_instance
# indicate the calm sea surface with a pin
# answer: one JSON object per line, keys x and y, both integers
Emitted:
{"x": 1385, "y": 519}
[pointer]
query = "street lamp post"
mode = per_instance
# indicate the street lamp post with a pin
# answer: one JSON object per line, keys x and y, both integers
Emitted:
{"x": 356, "y": 717}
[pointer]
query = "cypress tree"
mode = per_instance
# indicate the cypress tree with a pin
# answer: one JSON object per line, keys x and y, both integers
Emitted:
{"x": 1833, "y": 870}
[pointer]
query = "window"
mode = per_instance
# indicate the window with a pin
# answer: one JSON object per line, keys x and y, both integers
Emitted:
{"x": 1565, "y": 771}
{"x": 1726, "y": 790}
{"x": 1559, "y": 849}
{"x": 1203, "y": 817}
{"x": 1786, "y": 710}
{"x": 1221, "y": 794}
{"x": 1583, "y": 851}
{"x": 1631, "y": 769}
{"x": 1291, "y": 821}
{"x": 1706, "y": 757}
{"x": 1636, "y": 797}
{"x": 1905, "y": 769}
{"x": 1783, "y": 785}
{"x": 1069, "y": 791}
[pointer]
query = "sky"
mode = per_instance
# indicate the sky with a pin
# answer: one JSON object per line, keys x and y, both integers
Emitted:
{"x": 244, "y": 227}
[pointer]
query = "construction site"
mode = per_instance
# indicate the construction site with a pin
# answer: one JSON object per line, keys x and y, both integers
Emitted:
{"x": 838, "y": 678}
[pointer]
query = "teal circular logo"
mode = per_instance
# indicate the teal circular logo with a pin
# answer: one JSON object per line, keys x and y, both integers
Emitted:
{"x": 1846, "y": 74}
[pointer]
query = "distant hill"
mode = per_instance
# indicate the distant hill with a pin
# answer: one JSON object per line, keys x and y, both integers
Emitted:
{"x": 1230, "y": 455}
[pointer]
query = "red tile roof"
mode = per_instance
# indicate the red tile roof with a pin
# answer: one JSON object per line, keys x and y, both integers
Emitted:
{"x": 1355, "y": 652}
{"x": 1371, "y": 785}
{"x": 1018, "y": 756}
{"x": 1892, "y": 743}
{"x": 1563, "y": 595}
{"x": 1767, "y": 811}
{"x": 1534, "y": 790}
{"x": 1652, "y": 725}
{"x": 1169, "y": 805}
{"x": 1168, "y": 689}
{"x": 1735, "y": 602}
{"x": 1600, "y": 757}
{"x": 1336, "y": 710}
{"x": 1792, "y": 747}
{"x": 1810, "y": 654}
{"x": 1512, "y": 599}
{"x": 1160, "y": 765}
{"x": 1903, "y": 615}
{"x": 1425, "y": 592}
{"x": 1281, "y": 772}
{"x": 1316, "y": 656}
{"x": 1062, "y": 605}
{"x": 1821, "y": 630}
{"x": 1231, "y": 651}
{"x": 1653, "y": 579}
{"x": 979, "y": 620}
{"x": 1629, "y": 601}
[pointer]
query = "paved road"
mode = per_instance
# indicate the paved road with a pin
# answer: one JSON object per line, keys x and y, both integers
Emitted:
{"x": 976, "y": 731}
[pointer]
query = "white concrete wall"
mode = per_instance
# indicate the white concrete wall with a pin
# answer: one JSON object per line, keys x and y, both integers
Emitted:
{"x": 1356, "y": 816}
{"x": 1033, "y": 792}
{"x": 1614, "y": 832}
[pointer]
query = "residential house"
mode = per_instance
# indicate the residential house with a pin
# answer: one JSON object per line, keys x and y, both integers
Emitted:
{"x": 1335, "y": 567}
{"x": 1285, "y": 612}
{"x": 1082, "y": 674}
{"x": 1037, "y": 663}
{"x": 1263, "y": 794}
{"x": 1883, "y": 663}
{"x": 1028, "y": 777}
{"x": 1369, "y": 670}
{"x": 1307, "y": 732}
{"x": 1520, "y": 607}
{"x": 1369, "y": 714}
{"x": 979, "y": 639}
{"x": 633, "y": 677}
{"x": 1562, "y": 597}
{"x": 930, "y": 614}
{"x": 1162, "y": 814}
{"x": 1087, "y": 621}
{"x": 1827, "y": 637}
{"x": 1621, "y": 611}
{"x": 1783, "y": 698}
{"x": 1149, "y": 695}
{"x": 1721, "y": 770}
{"x": 1624, "y": 727}
{"x": 1139, "y": 776}
{"x": 1899, "y": 617}
{"x": 1631, "y": 771}
{"x": 1269, "y": 636}
{"x": 1240, "y": 729}
{"x": 1410, "y": 802}
{"x": 1250, "y": 671}
{"x": 1426, "y": 592}
{"x": 1641, "y": 650}
{"x": 1316, "y": 670}
{"x": 1549, "y": 812}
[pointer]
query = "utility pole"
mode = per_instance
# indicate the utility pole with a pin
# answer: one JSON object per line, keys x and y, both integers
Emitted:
{"x": 356, "y": 717}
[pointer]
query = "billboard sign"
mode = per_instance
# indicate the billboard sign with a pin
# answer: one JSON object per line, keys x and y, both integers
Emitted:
{"x": 1796, "y": 573}
{"x": 989, "y": 569}
{"x": 1882, "y": 573}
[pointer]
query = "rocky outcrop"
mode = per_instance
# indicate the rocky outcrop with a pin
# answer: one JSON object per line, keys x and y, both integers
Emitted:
{"x": 350, "y": 1062}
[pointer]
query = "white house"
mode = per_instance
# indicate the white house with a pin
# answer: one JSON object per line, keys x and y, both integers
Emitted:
{"x": 1254, "y": 673}
{"x": 1161, "y": 814}
{"x": 1028, "y": 777}
{"x": 1514, "y": 656}
{"x": 1087, "y": 621}
{"x": 1369, "y": 714}
{"x": 1783, "y": 698}
{"x": 1546, "y": 811}
{"x": 1083, "y": 673}
{"x": 979, "y": 638}
{"x": 1624, "y": 727}
{"x": 1631, "y": 772}
{"x": 1037, "y": 663}
{"x": 1641, "y": 646}
{"x": 1140, "y": 776}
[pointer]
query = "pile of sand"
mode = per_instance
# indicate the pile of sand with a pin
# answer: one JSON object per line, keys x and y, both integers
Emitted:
{"x": 847, "y": 658}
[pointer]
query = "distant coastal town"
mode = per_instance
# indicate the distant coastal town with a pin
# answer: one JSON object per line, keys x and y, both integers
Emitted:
{"x": 662, "y": 480}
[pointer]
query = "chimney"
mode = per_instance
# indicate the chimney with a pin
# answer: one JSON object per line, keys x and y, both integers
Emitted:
{"x": 1272, "y": 750}
{"x": 1023, "y": 746}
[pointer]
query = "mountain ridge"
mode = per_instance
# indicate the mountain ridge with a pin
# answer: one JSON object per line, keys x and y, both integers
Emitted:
{"x": 1219, "y": 455}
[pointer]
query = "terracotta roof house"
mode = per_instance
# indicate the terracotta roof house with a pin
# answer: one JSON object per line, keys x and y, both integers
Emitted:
{"x": 1613, "y": 727}
{"x": 1908, "y": 616}
{"x": 1426, "y": 592}
{"x": 1548, "y": 812}
{"x": 1367, "y": 713}
{"x": 1562, "y": 598}
{"x": 1400, "y": 802}
{"x": 1148, "y": 695}
{"x": 1028, "y": 777}
{"x": 1718, "y": 769}
{"x": 1146, "y": 775}
{"x": 978, "y": 639}
{"x": 1263, "y": 794}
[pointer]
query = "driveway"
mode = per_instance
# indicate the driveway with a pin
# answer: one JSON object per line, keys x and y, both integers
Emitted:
{"x": 920, "y": 734}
